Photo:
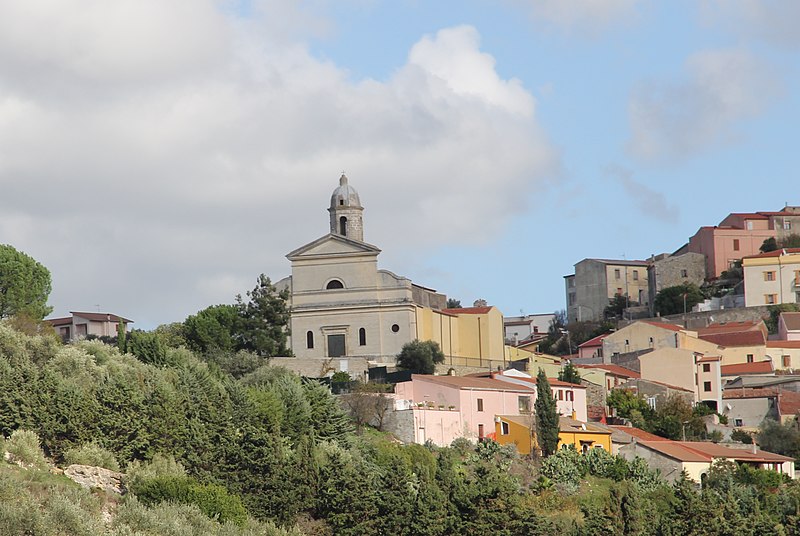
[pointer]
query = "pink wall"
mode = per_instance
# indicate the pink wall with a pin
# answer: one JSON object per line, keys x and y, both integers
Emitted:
{"x": 717, "y": 244}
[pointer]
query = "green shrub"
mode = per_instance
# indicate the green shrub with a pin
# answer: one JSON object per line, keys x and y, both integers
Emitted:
{"x": 24, "y": 447}
{"x": 213, "y": 500}
{"x": 566, "y": 466}
{"x": 91, "y": 454}
{"x": 159, "y": 466}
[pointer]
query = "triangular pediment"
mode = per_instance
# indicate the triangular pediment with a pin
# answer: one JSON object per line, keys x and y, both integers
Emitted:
{"x": 332, "y": 246}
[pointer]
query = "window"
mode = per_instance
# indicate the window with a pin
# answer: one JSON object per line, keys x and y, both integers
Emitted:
{"x": 362, "y": 337}
{"x": 769, "y": 276}
{"x": 504, "y": 428}
{"x": 524, "y": 403}
{"x": 617, "y": 274}
{"x": 341, "y": 202}
{"x": 650, "y": 342}
{"x": 636, "y": 275}
{"x": 309, "y": 339}
{"x": 787, "y": 361}
{"x": 395, "y": 328}
{"x": 770, "y": 298}
{"x": 480, "y": 404}
{"x": 749, "y": 226}
{"x": 627, "y": 342}
{"x": 572, "y": 299}
{"x": 787, "y": 225}
{"x": 560, "y": 394}
{"x": 684, "y": 273}
{"x": 480, "y": 431}
{"x": 707, "y": 387}
{"x": 570, "y": 396}
{"x": 336, "y": 346}
{"x": 749, "y": 358}
{"x": 738, "y": 422}
{"x": 706, "y": 367}
{"x": 334, "y": 284}
{"x": 735, "y": 244}
{"x": 651, "y": 401}
{"x": 343, "y": 226}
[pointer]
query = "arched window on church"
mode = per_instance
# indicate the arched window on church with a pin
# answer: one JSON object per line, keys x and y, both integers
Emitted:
{"x": 310, "y": 339}
{"x": 343, "y": 226}
{"x": 334, "y": 284}
{"x": 362, "y": 337}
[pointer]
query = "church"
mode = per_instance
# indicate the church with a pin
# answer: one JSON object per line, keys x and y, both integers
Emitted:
{"x": 343, "y": 305}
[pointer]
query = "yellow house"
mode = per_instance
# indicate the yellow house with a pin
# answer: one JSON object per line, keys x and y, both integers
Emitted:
{"x": 469, "y": 336}
{"x": 516, "y": 430}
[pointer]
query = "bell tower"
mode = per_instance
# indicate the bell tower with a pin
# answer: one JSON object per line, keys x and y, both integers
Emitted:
{"x": 346, "y": 211}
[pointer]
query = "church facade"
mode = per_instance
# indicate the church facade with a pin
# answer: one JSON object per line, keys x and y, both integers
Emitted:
{"x": 342, "y": 304}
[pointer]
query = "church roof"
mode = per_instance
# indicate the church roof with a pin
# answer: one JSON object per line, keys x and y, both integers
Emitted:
{"x": 345, "y": 195}
{"x": 343, "y": 247}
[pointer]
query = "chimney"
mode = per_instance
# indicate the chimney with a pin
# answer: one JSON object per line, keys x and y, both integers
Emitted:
{"x": 755, "y": 448}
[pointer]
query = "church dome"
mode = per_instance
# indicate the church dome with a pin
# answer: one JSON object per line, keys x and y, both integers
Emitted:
{"x": 345, "y": 195}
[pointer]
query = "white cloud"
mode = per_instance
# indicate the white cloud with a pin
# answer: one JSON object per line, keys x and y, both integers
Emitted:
{"x": 154, "y": 155}
{"x": 721, "y": 88}
{"x": 645, "y": 199}
{"x": 585, "y": 16}
{"x": 773, "y": 21}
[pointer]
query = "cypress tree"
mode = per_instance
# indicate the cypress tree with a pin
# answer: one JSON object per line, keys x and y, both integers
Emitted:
{"x": 547, "y": 425}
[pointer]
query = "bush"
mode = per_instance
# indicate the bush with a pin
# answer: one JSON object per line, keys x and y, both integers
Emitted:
{"x": 91, "y": 454}
{"x": 24, "y": 447}
{"x": 213, "y": 500}
{"x": 742, "y": 437}
{"x": 566, "y": 466}
{"x": 158, "y": 466}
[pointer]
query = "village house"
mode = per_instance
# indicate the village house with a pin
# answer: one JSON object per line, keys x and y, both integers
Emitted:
{"x": 82, "y": 324}
{"x": 517, "y": 430}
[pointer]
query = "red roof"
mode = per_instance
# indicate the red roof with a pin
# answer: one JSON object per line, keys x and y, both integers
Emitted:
{"x": 709, "y": 359}
{"x": 67, "y": 320}
{"x": 749, "y": 393}
{"x": 776, "y": 253}
{"x": 728, "y": 327}
{"x": 468, "y": 310}
{"x": 677, "y": 451}
{"x": 638, "y": 433}
{"x": 783, "y": 344}
{"x": 613, "y": 369}
{"x": 759, "y": 367}
{"x": 593, "y": 342}
{"x": 738, "y": 338}
{"x": 665, "y": 325}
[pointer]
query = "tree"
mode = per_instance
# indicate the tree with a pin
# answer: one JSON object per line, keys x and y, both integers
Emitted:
{"x": 420, "y": 357}
{"x": 213, "y": 328}
{"x": 453, "y": 303}
{"x": 770, "y": 244}
{"x": 670, "y": 300}
{"x": 616, "y": 306}
{"x": 547, "y": 424}
{"x": 24, "y": 285}
{"x": 570, "y": 374}
{"x": 264, "y": 320}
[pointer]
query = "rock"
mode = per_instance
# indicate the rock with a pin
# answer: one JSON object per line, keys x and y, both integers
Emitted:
{"x": 91, "y": 477}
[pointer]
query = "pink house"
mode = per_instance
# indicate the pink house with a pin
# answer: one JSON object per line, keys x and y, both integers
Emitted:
{"x": 442, "y": 408}
{"x": 741, "y": 235}
{"x": 592, "y": 348}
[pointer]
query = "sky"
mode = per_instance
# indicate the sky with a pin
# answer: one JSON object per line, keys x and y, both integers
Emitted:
{"x": 158, "y": 156}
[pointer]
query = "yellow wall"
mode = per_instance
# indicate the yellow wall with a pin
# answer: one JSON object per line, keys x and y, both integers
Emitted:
{"x": 520, "y": 436}
{"x": 471, "y": 337}
{"x": 575, "y": 438}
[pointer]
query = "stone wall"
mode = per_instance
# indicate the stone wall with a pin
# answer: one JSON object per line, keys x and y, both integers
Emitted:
{"x": 703, "y": 318}
{"x": 668, "y": 271}
{"x": 313, "y": 367}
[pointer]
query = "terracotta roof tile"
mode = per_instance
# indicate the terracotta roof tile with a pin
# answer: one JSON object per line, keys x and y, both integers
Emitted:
{"x": 675, "y": 450}
{"x": 638, "y": 433}
{"x": 783, "y": 344}
{"x": 728, "y": 327}
{"x": 788, "y": 403}
{"x": 595, "y": 341}
{"x": 716, "y": 450}
{"x": 776, "y": 253}
{"x": 729, "y": 394}
{"x": 758, "y": 367}
{"x": 613, "y": 369}
{"x": 740, "y": 338}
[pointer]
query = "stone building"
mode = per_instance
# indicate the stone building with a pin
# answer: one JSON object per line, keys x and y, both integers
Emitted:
{"x": 343, "y": 305}
{"x": 667, "y": 270}
{"x": 596, "y": 281}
